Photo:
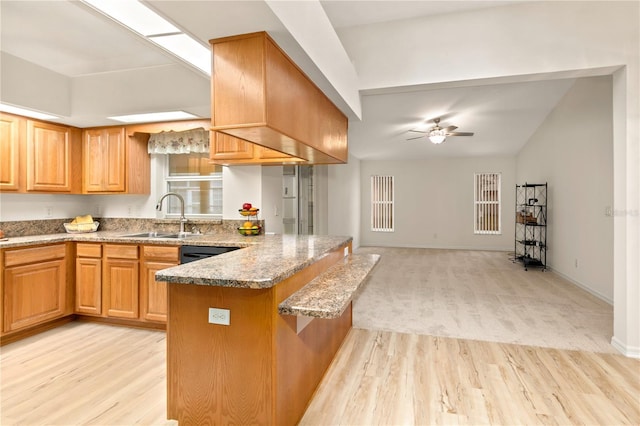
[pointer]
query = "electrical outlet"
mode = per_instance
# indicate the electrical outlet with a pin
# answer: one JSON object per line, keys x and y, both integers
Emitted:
{"x": 129, "y": 211}
{"x": 219, "y": 316}
{"x": 97, "y": 209}
{"x": 48, "y": 211}
{"x": 575, "y": 262}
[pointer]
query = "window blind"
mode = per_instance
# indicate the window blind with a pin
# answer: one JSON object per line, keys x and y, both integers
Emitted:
{"x": 382, "y": 203}
{"x": 486, "y": 212}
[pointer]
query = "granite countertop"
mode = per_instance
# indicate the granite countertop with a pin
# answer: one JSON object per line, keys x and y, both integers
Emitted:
{"x": 263, "y": 265}
{"x": 263, "y": 262}
{"x": 228, "y": 240}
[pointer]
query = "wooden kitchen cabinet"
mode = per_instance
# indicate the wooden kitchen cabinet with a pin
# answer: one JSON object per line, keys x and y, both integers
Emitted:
{"x": 114, "y": 162}
{"x": 153, "y": 294}
{"x": 260, "y": 95}
{"x": 104, "y": 160}
{"x": 12, "y": 139}
{"x": 53, "y": 157}
{"x": 120, "y": 281}
{"x": 227, "y": 150}
{"x": 88, "y": 298}
{"x": 35, "y": 286}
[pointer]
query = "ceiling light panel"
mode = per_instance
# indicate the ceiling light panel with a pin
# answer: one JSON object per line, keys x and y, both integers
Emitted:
{"x": 186, "y": 48}
{"x": 134, "y": 15}
{"x": 153, "y": 116}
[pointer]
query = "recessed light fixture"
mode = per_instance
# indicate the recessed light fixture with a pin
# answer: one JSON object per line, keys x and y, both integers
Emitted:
{"x": 140, "y": 19}
{"x": 26, "y": 112}
{"x": 153, "y": 116}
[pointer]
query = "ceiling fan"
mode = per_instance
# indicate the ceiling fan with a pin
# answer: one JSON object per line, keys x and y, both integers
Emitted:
{"x": 438, "y": 134}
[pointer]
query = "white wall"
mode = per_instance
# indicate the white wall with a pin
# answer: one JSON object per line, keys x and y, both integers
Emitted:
{"x": 344, "y": 200}
{"x": 434, "y": 203}
{"x": 573, "y": 151}
{"x": 271, "y": 208}
{"x": 241, "y": 184}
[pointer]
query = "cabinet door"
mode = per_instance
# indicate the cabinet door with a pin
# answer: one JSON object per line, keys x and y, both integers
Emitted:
{"x": 49, "y": 154}
{"x": 225, "y": 147}
{"x": 89, "y": 286}
{"x": 104, "y": 160}
{"x": 11, "y": 139}
{"x": 120, "y": 285}
{"x": 153, "y": 294}
{"x": 120, "y": 281}
{"x": 33, "y": 293}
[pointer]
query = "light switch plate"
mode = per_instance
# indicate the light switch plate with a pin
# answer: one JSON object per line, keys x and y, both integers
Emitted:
{"x": 219, "y": 316}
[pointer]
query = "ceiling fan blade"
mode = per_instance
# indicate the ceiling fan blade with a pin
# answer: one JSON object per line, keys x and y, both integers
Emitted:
{"x": 418, "y": 131}
{"x": 419, "y": 137}
{"x": 460, "y": 134}
{"x": 450, "y": 128}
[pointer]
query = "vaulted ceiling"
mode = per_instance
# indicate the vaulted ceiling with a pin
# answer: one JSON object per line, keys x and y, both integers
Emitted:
{"x": 89, "y": 50}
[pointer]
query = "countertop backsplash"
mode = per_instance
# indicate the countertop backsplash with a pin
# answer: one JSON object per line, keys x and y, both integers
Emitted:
{"x": 21, "y": 228}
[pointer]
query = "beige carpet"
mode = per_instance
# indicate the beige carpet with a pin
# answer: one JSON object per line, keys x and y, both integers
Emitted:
{"x": 479, "y": 295}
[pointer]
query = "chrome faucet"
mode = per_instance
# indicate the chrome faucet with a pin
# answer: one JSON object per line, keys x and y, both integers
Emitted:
{"x": 183, "y": 219}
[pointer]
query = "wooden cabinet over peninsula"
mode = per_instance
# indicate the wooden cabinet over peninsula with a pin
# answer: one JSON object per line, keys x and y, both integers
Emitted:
{"x": 263, "y": 366}
{"x": 260, "y": 95}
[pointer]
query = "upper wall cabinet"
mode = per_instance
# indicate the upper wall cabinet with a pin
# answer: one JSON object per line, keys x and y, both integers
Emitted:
{"x": 39, "y": 156}
{"x": 227, "y": 151}
{"x": 12, "y": 134}
{"x": 259, "y": 94}
{"x": 53, "y": 152}
{"x": 114, "y": 162}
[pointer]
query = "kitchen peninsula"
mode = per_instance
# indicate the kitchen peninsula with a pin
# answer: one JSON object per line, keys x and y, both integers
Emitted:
{"x": 281, "y": 309}
{"x": 251, "y": 363}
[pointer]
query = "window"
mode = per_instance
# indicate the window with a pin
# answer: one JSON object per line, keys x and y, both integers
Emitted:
{"x": 199, "y": 183}
{"x": 382, "y": 203}
{"x": 486, "y": 209}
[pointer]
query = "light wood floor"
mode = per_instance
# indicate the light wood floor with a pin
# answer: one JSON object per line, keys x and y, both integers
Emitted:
{"x": 92, "y": 374}
{"x": 85, "y": 374}
{"x": 388, "y": 378}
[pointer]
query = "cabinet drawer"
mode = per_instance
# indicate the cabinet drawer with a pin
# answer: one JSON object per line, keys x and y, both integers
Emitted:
{"x": 169, "y": 254}
{"x": 120, "y": 252}
{"x": 33, "y": 254}
{"x": 88, "y": 250}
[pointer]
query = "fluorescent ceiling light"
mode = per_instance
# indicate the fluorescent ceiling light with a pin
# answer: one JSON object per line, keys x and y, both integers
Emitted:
{"x": 26, "y": 112}
{"x": 153, "y": 116}
{"x": 187, "y": 48}
{"x": 135, "y": 15}
{"x": 147, "y": 23}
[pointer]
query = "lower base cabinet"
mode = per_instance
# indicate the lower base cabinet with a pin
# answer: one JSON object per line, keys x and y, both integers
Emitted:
{"x": 88, "y": 279}
{"x": 35, "y": 286}
{"x": 153, "y": 294}
{"x": 118, "y": 281}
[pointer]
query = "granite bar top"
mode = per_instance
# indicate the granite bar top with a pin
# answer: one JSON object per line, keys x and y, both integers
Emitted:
{"x": 329, "y": 294}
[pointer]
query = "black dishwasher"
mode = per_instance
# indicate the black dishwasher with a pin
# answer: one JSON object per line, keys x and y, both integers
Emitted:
{"x": 193, "y": 253}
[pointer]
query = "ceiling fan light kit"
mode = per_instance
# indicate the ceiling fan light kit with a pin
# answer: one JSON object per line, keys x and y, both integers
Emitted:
{"x": 437, "y": 134}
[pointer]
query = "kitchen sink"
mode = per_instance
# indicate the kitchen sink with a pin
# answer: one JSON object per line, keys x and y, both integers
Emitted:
{"x": 156, "y": 235}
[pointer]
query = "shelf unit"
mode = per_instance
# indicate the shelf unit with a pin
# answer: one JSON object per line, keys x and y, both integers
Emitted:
{"x": 530, "y": 245}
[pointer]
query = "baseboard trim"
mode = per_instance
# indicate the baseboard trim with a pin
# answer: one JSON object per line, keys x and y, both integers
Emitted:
{"x": 419, "y": 246}
{"x": 628, "y": 351}
{"x": 582, "y": 286}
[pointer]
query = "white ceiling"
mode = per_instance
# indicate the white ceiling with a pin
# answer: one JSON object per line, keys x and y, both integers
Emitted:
{"x": 71, "y": 39}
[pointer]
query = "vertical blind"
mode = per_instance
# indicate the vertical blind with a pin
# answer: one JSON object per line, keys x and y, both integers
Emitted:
{"x": 486, "y": 209}
{"x": 382, "y": 203}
